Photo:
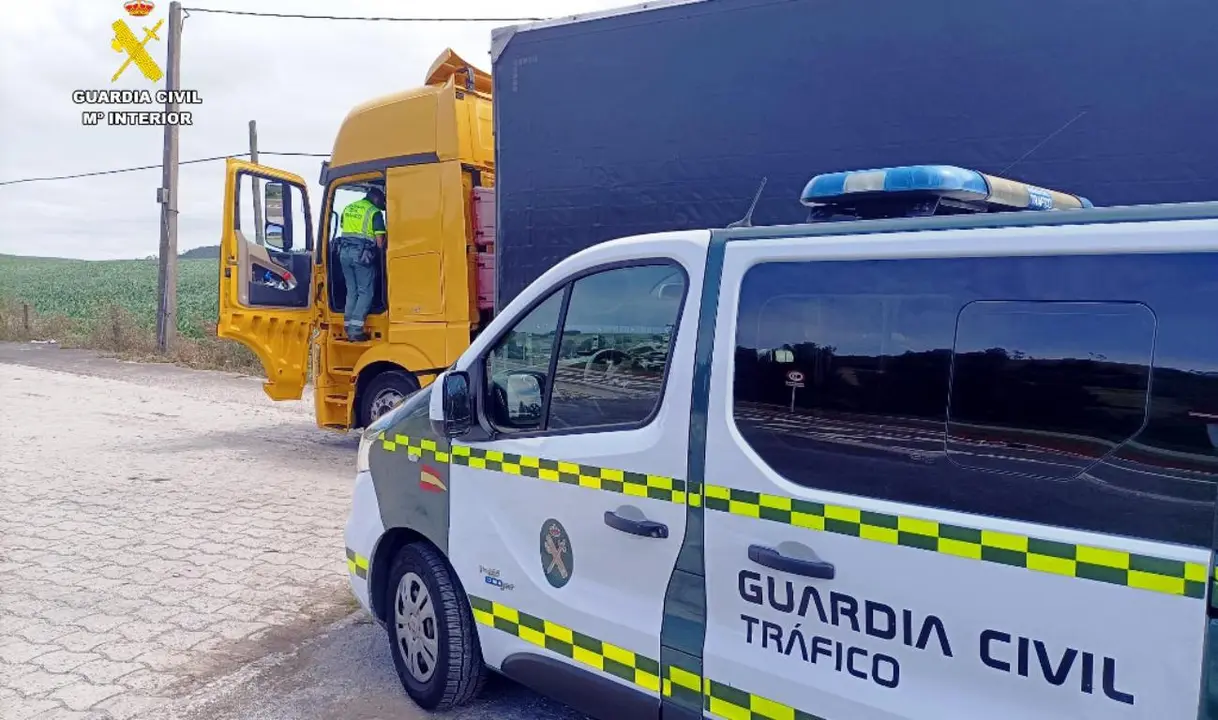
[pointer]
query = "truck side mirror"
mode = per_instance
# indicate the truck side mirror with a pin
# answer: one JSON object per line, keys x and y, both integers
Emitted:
{"x": 276, "y": 199}
{"x": 274, "y": 235}
{"x": 273, "y": 194}
{"x": 457, "y": 403}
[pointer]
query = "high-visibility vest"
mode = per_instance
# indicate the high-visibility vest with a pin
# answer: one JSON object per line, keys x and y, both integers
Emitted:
{"x": 357, "y": 219}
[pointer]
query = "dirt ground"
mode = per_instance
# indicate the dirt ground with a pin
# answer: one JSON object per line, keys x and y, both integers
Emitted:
{"x": 171, "y": 547}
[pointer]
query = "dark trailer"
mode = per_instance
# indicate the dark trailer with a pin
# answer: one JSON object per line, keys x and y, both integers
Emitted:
{"x": 667, "y": 115}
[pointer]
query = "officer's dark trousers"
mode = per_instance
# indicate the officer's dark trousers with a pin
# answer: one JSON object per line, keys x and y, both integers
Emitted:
{"x": 359, "y": 277}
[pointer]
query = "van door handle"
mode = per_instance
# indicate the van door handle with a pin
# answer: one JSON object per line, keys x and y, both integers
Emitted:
{"x": 771, "y": 558}
{"x": 644, "y": 528}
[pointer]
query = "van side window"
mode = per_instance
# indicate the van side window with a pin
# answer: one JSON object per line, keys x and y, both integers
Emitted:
{"x": 1064, "y": 382}
{"x": 518, "y": 367}
{"x": 616, "y": 338}
{"x": 609, "y": 365}
{"x": 1075, "y": 391}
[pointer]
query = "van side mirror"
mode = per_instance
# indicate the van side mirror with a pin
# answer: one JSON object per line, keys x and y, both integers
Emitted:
{"x": 457, "y": 403}
{"x": 516, "y": 399}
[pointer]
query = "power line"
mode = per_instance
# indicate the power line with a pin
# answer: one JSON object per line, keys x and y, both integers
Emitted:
{"x": 116, "y": 171}
{"x": 364, "y": 19}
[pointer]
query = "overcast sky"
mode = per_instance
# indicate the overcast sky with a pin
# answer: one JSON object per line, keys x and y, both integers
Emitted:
{"x": 297, "y": 78}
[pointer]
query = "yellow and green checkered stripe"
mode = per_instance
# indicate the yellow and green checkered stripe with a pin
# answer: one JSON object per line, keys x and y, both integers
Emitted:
{"x": 419, "y": 447}
{"x": 357, "y": 564}
{"x": 1172, "y": 577}
{"x": 1214, "y": 584}
{"x": 632, "y": 667}
{"x": 639, "y": 670}
{"x": 1117, "y": 567}
{"x": 684, "y": 685}
{"x": 732, "y": 703}
{"x": 624, "y": 482}
{"x": 723, "y": 700}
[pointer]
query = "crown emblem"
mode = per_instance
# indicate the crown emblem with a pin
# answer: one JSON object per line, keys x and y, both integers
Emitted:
{"x": 139, "y": 8}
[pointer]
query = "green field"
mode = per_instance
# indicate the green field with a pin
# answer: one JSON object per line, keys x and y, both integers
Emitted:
{"x": 85, "y": 290}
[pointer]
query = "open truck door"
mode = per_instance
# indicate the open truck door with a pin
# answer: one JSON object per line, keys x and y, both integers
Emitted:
{"x": 267, "y": 273}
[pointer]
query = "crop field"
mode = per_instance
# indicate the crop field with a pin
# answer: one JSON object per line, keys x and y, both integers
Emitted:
{"x": 85, "y": 290}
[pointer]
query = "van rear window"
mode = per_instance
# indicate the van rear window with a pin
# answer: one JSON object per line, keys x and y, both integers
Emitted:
{"x": 1058, "y": 390}
{"x": 1054, "y": 386}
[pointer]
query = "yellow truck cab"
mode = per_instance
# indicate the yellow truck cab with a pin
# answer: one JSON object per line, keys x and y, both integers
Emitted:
{"x": 281, "y": 290}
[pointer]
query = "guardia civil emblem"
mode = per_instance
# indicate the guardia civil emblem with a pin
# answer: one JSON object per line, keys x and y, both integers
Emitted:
{"x": 556, "y": 558}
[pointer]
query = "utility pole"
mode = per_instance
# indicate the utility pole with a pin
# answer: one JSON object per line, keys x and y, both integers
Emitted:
{"x": 167, "y": 272}
{"x": 259, "y": 225}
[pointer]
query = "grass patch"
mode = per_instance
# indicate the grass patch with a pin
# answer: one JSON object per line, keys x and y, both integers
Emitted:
{"x": 111, "y": 306}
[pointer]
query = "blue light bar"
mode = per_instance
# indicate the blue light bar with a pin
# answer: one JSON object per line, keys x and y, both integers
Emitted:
{"x": 945, "y": 181}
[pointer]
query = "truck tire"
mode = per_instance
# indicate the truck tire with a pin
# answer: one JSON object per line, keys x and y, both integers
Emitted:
{"x": 431, "y": 631}
{"x": 381, "y": 393}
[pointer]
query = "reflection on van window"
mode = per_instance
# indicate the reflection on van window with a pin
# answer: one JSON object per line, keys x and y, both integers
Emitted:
{"x": 850, "y": 353}
{"x": 526, "y": 349}
{"x": 615, "y": 345}
{"x": 1086, "y": 398}
{"x": 1059, "y": 384}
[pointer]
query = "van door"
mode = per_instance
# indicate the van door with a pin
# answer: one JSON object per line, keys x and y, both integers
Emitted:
{"x": 266, "y": 272}
{"x": 566, "y": 524}
{"x": 929, "y": 496}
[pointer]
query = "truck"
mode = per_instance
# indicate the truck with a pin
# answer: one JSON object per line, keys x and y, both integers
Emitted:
{"x": 671, "y": 115}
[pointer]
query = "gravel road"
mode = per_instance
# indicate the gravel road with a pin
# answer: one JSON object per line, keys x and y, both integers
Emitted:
{"x": 171, "y": 547}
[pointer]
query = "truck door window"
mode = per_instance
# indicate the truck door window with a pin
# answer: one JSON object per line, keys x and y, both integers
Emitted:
{"x": 272, "y": 226}
{"x": 342, "y": 196}
{"x": 616, "y": 337}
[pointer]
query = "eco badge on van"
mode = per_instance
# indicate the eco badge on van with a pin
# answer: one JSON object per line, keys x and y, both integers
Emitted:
{"x": 557, "y": 561}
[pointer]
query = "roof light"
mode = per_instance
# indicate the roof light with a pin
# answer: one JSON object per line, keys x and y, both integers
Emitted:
{"x": 939, "y": 181}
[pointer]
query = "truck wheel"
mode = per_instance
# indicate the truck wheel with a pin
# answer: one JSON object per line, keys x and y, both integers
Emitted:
{"x": 431, "y": 631}
{"x": 383, "y": 393}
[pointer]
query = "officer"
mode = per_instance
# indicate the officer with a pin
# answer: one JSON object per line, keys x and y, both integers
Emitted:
{"x": 362, "y": 236}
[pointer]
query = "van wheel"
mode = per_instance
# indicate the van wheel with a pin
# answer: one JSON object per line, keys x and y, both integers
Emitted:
{"x": 431, "y": 631}
{"x": 383, "y": 393}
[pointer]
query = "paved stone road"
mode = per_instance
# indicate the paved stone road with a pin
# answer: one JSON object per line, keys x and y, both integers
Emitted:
{"x": 156, "y": 532}
{"x": 171, "y": 547}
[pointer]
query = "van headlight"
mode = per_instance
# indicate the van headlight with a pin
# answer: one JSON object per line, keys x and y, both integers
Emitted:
{"x": 373, "y": 431}
{"x": 366, "y": 440}
{"x": 382, "y": 424}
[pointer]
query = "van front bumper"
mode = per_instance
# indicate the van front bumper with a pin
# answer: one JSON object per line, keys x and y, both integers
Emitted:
{"x": 364, "y": 529}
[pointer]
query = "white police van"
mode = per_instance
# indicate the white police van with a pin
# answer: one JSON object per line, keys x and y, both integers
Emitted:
{"x": 938, "y": 467}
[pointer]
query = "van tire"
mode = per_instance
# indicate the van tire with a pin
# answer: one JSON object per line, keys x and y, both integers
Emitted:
{"x": 458, "y": 672}
{"x": 383, "y": 385}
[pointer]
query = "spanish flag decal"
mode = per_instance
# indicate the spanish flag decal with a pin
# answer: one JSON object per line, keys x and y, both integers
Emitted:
{"x": 429, "y": 480}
